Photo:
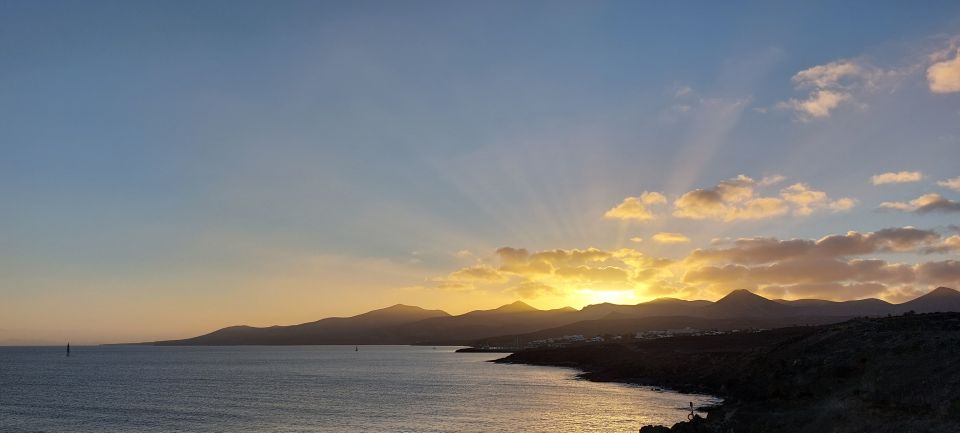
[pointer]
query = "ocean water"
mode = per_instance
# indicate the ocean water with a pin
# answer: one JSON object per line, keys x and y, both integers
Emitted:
{"x": 311, "y": 389}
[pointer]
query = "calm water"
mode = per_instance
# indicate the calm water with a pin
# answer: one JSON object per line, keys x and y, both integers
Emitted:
{"x": 318, "y": 388}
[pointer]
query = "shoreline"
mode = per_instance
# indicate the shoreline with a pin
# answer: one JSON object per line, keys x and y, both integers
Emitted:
{"x": 861, "y": 375}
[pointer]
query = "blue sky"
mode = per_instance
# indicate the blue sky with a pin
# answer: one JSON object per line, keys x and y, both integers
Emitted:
{"x": 178, "y": 166}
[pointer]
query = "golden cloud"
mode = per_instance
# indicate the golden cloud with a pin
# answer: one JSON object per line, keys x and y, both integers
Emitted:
{"x": 481, "y": 273}
{"x": 768, "y": 250}
{"x": 944, "y": 76}
{"x": 839, "y": 266}
{"x": 898, "y": 177}
{"x": 806, "y": 200}
{"x": 818, "y": 105}
{"x": 636, "y": 208}
{"x": 949, "y": 244}
{"x": 734, "y": 199}
{"x": 670, "y": 238}
{"x": 927, "y": 203}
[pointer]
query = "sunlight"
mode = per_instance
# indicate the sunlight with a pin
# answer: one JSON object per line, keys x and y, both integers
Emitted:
{"x": 622, "y": 297}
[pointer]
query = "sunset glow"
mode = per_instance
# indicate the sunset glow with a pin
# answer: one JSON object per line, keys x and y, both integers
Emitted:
{"x": 184, "y": 169}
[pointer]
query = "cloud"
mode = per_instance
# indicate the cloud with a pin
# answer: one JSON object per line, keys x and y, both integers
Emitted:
{"x": 551, "y": 272}
{"x": 828, "y": 75}
{"x": 832, "y": 267}
{"x": 836, "y": 266}
{"x": 898, "y": 177}
{"x": 826, "y": 278}
{"x": 735, "y": 199}
{"x": 772, "y": 180}
{"x": 532, "y": 289}
{"x": 602, "y": 274}
{"x": 953, "y": 184}
{"x": 818, "y": 105}
{"x": 801, "y": 291}
{"x": 944, "y": 76}
{"x": 730, "y": 200}
{"x": 670, "y": 238}
{"x": 636, "y": 239}
{"x": 927, "y": 203}
{"x": 481, "y": 273}
{"x": 949, "y": 245}
{"x": 829, "y": 85}
{"x": 682, "y": 91}
{"x": 947, "y": 271}
{"x": 636, "y": 208}
{"x": 751, "y": 251}
{"x": 806, "y": 200}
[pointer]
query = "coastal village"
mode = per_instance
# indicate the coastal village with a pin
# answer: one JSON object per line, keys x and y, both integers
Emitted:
{"x": 579, "y": 339}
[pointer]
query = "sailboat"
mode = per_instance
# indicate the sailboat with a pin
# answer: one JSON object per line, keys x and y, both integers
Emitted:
{"x": 356, "y": 348}
{"x": 68, "y": 349}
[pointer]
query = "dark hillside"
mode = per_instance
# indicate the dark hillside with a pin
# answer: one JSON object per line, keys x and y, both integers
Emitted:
{"x": 893, "y": 374}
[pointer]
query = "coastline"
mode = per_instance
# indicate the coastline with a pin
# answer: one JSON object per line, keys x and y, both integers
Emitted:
{"x": 856, "y": 376}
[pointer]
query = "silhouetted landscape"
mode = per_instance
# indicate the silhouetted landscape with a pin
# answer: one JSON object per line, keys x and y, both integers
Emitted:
{"x": 888, "y": 374}
{"x": 803, "y": 365}
{"x": 403, "y": 324}
{"x": 431, "y": 216}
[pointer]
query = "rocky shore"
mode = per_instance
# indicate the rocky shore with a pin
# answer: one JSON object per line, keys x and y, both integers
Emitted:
{"x": 891, "y": 374}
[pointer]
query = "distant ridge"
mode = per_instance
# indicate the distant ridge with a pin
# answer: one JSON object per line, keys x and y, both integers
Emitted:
{"x": 406, "y": 324}
{"x": 372, "y": 327}
{"x": 515, "y": 307}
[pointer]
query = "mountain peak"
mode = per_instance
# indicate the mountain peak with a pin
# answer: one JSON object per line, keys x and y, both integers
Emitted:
{"x": 403, "y": 310}
{"x": 742, "y": 295}
{"x": 517, "y": 306}
{"x": 942, "y": 291}
{"x": 666, "y": 300}
{"x": 939, "y": 299}
{"x": 744, "y": 303}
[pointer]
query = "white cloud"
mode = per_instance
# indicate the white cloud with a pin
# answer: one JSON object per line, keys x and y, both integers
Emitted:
{"x": 896, "y": 177}
{"x": 682, "y": 91}
{"x": 953, "y": 184}
{"x": 828, "y": 75}
{"x": 772, "y": 180}
{"x": 829, "y": 85}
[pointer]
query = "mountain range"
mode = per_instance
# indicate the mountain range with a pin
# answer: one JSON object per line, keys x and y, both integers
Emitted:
{"x": 404, "y": 324}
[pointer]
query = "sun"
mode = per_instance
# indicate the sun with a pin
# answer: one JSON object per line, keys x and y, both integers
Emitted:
{"x": 623, "y": 297}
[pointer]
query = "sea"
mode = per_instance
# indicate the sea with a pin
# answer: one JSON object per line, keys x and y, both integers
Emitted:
{"x": 312, "y": 389}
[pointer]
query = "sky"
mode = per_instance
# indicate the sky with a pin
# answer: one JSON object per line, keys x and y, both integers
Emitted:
{"x": 173, "y": 167}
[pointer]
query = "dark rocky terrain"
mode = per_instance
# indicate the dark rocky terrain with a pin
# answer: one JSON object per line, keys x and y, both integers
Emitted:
{"x": 890, "y": 374}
